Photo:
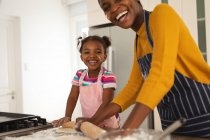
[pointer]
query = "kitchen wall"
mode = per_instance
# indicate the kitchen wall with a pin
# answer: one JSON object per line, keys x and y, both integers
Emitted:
{"x": 46, "y": 55}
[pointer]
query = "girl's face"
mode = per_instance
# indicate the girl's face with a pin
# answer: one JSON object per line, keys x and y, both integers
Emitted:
{"x": 93, "y": 55}
{"x": 123, "y": 13}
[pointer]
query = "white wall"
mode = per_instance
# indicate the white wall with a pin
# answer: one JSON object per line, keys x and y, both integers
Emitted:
{"x": 78, "y": 15}
{"x": 46, "y": 54}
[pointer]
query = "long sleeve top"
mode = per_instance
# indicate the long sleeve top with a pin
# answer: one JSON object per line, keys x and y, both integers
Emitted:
{"x": 173, "y": 50}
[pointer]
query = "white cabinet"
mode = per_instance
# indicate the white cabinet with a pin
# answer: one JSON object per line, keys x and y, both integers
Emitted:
{"x": 95, "y": 14}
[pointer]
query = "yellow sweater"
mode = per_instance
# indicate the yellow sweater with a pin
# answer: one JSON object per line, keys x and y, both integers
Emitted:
{"x": 173, "y": 49}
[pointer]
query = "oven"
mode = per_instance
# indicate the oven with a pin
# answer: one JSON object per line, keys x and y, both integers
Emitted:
{"x": 16, "y": 124}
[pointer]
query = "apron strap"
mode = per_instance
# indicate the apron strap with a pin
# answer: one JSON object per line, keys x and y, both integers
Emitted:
{"x": 100, "y": 74}
{"x": 146, "y": 19}
{"x": 85, "y": 72}
{"x": 82, "y": 77}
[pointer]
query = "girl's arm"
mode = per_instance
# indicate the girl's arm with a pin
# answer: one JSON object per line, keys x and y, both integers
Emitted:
{"x": 71, "y": 103}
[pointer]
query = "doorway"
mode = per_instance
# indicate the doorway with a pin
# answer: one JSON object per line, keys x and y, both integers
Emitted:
{"x": 10, "y": 65}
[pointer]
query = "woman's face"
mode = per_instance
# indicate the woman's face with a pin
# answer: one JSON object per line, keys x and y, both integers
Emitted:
{"x": 123, "y": 13}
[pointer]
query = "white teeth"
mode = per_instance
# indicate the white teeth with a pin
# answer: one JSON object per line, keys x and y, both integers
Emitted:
{"x": 92, "y": 61}
{"x": 121, "y": 14}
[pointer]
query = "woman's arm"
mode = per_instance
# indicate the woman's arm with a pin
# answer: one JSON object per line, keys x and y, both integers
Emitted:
{"x": 108, "y": 94}
{"x": 137, "y": 116}
{"x": 110, "y": 110}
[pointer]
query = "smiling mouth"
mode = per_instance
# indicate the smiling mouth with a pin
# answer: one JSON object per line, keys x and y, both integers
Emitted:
{"x": 92, "y": 62}
{"x": 121, "y": 16}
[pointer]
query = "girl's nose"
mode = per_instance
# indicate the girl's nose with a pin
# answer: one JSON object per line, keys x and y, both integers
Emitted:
{"x": 92, "y": 55}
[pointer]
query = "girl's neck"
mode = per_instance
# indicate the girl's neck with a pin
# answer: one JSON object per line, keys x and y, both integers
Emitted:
{"x": 93, "y": 73}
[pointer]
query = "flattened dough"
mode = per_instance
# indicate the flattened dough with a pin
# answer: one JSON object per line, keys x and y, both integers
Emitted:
{"x": 66, "y": 130}
{"x": 73, "y": 138}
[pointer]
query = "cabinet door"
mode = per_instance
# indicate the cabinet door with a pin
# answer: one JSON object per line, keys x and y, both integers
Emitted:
{"x": 207, "y": 12}
{"x": 187, "y": 13}
{"x": 95, "y": 14}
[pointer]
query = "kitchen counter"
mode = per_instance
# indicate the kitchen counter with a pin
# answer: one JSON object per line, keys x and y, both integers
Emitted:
{"x": 175, "y": 137}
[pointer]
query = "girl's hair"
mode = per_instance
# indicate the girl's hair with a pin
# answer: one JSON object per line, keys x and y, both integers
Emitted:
{"x": 105, "y": 41}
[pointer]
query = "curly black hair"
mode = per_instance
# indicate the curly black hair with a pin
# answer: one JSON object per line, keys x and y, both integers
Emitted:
{"x": 137, "y": 1}
{"x": 105, "y": 41}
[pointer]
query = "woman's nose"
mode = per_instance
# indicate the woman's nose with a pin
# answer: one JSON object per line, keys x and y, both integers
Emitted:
{"x": 114, "y": 8}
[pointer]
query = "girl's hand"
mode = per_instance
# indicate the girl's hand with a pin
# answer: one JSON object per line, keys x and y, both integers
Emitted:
{"x": 59, "y": 122}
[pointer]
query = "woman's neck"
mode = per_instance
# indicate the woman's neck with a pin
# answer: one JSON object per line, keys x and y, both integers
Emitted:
{"x": 138, "y": 21}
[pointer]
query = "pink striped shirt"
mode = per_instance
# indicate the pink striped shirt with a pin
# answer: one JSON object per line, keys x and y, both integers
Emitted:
{"x": 108, "y": 79}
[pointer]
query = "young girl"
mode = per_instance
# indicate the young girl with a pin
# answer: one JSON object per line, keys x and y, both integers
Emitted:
{"x": 168, "y": 71}
{"x": 95, "y": 85}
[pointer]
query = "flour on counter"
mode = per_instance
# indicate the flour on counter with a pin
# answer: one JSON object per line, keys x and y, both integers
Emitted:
{"x": 66, "y": 130}
{"x": 132, "y": 135}
{"x": 51, "y": 134}
{"x": 135, "y": 136}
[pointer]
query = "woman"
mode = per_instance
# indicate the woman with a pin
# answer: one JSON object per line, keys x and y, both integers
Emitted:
{"x": 168, "y": 69}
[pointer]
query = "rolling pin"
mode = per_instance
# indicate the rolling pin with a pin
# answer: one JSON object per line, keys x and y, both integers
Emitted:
{"x": 91, "y": 130}
{"x": 87, "y": 128}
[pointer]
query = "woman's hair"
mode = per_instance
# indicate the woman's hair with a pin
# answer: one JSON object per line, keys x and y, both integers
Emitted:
{"x": 137, "y": 1}
{"x": 105, "y": 41}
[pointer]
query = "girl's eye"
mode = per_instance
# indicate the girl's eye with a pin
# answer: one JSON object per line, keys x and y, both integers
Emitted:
{"x": 86, "y": 52}
{"x": 98, "y": 52}
{"x": 117, "y": 1}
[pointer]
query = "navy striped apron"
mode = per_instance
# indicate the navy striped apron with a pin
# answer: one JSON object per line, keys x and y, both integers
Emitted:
{"x": 186, "y": 99}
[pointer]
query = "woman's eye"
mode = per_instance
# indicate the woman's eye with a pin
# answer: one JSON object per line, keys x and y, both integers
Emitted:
{"x": 117, "y": 1}
{"x": 106, "y": 8}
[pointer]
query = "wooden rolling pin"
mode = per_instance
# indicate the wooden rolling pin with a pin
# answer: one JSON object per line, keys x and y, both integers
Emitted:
{"x": 91, "y": 130}
{"x": 87, "y": 128}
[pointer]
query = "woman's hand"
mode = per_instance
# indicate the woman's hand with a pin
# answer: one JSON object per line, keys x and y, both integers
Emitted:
{"x": 79, "y": 121}
{"x": 59, "y": 122}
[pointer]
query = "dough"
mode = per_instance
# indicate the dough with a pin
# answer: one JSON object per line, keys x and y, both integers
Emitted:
{"x": 69, "y": 124}
{"x": 66, "y": 130}
{"x": 73, "y": 138}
